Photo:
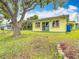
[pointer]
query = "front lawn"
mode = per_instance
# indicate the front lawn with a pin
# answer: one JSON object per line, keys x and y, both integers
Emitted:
{"x": 33, "y": 45}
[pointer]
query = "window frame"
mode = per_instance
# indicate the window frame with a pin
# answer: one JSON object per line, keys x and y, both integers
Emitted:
{"x": 37, "y": 24}
{"x": 56, "y": 24}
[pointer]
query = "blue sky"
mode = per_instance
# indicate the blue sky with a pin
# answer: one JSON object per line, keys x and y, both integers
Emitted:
{"x": 50, "y": 6}
{"x": 74, "y": 2}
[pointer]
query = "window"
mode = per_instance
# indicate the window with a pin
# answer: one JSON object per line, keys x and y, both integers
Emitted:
{"x": 55, "y": 23}
{"x": 37, "y": 24}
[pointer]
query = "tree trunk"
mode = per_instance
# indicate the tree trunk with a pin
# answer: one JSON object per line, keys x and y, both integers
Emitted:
{"x": 16, "y": 28}
{"x": 16, "y": 31}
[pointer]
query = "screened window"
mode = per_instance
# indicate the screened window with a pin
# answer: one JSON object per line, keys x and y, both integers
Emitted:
{"x": 37, "y": 24}
{"x": 55, "y": 23}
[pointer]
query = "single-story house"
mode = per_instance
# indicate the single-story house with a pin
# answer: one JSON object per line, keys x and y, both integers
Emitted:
{"x": 52, "y": 24}
{"x": 5, "y": 27}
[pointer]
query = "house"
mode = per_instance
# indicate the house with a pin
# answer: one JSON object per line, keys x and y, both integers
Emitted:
{"x": 52, "y": 24}
{"x": 5, "y": 27}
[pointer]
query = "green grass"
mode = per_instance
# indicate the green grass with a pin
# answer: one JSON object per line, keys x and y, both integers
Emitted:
{"x": 18, "y": 48}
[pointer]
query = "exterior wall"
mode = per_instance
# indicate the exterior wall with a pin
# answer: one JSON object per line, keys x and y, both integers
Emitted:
{"x": 62, "y": 24}
{"x": 36, "y": 29}
{"x": 61, "y": 28}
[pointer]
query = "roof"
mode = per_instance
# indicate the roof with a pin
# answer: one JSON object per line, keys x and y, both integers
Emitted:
{"x": 43, "y": 19}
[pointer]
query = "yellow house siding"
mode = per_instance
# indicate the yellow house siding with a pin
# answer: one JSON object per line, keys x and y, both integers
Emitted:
{"x": 61, "y": 28}
{"x": 36, "y": 29}
{"x": 62, "y": 24}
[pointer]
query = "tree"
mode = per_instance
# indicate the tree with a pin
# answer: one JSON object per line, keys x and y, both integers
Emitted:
{"x": 28, "y": 23}
{"x": 1, "y": 27}
{"x": 1, "y": 20}
{"x": 12, "y": 9}
{"x": 32, "y": 18}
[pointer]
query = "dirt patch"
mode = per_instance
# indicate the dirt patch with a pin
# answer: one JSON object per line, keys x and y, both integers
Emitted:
{"x": 38, "y": 48}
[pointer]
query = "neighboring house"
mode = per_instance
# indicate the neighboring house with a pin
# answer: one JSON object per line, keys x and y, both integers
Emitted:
{"x": 5, "y": 27}
{"x": 52, "y": 24}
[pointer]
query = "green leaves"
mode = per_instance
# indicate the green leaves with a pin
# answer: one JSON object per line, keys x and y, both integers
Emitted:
{"x": 48, "y": 1}
{"x": 6, "y": 15}
{"x": 61, "y": 3}
{"x": 55, "y": 2}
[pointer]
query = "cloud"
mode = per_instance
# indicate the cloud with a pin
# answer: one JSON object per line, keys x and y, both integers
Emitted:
{"x": 46, "y": 14}
{"x": 71, "y": 7}
{"x": 73, "y": 17}
{"x": 60, "y": 11}
{"x": 29, "y": 14}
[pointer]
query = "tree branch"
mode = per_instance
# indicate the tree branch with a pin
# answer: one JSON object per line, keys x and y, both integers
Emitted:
{"x": 16, "y": 7}
{"x": 3, "y": 9}
{"x": 30, "y": 7}
{"x": 6, "y": 5}
{"x": 33, "y": 6}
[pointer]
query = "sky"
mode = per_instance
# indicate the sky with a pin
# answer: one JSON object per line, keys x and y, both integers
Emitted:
{"x": 71, "y": 8}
